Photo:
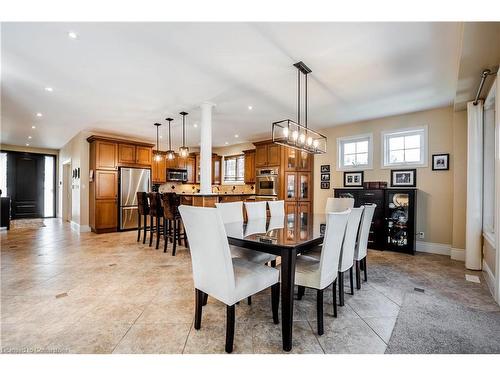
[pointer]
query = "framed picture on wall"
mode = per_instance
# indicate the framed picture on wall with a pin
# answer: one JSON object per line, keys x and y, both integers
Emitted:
{"x": 325, "y": 177}
{"x": 325, "y": 184}
{"x": 403, "y": 177}
{"x": 440, "y": 162}
{"x": 325, "y": 168}
{"x": 353, "y": 179}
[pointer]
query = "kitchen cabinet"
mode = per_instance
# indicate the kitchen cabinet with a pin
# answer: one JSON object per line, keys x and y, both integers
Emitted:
{"x": 191, "y": 169}
{"x": 290, "y": 186}
{"x": 159, "y": 169}
{"x": 106, "y": 214}
{"x": 267, "y": 154}
{"x": 126, "y": 153}
{"x": 304, "y": 188}
{"x": 143, "y": 155}
{"x": 216, "y": 170}
{"x": 249, "y": 166}
{"x": 106, "y": 155}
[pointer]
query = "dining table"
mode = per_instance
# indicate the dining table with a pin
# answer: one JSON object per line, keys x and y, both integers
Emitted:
{"x": 286, "y": 236}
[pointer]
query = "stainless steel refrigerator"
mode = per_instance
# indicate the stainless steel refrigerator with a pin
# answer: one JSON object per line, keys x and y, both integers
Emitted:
{"x": 132, "y": 180}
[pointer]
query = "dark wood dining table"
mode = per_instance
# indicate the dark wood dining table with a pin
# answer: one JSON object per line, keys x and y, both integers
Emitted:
{"x": 284, "y": 236}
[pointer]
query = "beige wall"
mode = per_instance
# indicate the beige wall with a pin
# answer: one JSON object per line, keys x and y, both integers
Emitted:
{"x": 435, "y": 200}
{"x": 34, "y": 150}
{"x": 76, "y": 151}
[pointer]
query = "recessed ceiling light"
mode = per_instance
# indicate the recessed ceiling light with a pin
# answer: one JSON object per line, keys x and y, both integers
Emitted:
{"x": 29, "y": 137}
{"x": 39, "y": 114}
{"x": 33, "y": 127}
{"x": 27, "y": 144}
{"x": 195, "y": 125}
{"x": 49, "y": 89}
{"x": 226, "y": 143}
{"x": 250, "y": 107}
{"x": 236, "y": 136}
{"x": 72, "y": 35}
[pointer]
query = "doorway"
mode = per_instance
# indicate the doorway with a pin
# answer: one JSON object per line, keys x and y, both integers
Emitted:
{"x": 66, "y": 193}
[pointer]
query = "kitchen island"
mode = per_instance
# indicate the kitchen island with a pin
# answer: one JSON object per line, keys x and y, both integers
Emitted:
{"x": 209, "y": 200}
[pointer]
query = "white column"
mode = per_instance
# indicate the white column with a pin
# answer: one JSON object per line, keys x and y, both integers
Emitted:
{"x": 206, "y": 148}
{"x": 474, "y": 215}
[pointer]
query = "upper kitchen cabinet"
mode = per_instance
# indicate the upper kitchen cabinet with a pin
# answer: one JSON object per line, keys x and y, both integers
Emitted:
{"x": 191, "y": 169}
{"x": 159, "y": 170}
{"x": 249, "y": 166}
{"x": 296, "y": 160}
{"x": 143, "y": 155}
{"x": 216, "y": 170}
{"x": 267, "y": 154}
{"x": 106, "y": 155}
{"x": 134, "y": 154}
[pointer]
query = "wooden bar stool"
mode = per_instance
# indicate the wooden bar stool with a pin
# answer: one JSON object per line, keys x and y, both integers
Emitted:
{"x": 156, "y": 215}
{"x": 142, "y": 212}
{"x": 172, "y": 227}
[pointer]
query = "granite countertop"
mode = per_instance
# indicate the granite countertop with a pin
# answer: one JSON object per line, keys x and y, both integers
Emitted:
{"x": 224, "y": 194}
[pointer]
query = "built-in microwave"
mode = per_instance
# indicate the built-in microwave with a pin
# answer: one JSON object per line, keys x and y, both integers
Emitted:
{"x": 179, "y": 175}
{"x": 267, "y": 181}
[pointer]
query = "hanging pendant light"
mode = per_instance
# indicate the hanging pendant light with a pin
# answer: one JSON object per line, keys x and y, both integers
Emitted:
{"x": 157, "y": 153}
{"x": 183, "y": 151}
{"x": 170, "y": 153}
{"x": 291, "y": 133}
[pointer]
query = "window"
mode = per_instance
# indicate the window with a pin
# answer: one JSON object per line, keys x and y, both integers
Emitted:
{"x": 3, "y": 173}
{"x": 48, "y": 187}
{"x": 355, "y": 152}
{"x": 234, "y": 168}
{"x": 406, "y": 147}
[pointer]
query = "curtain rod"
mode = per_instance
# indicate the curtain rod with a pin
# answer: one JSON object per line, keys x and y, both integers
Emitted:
{"x": 484, "y": 75}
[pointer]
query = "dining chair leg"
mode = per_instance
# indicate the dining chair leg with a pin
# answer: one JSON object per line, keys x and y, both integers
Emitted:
{"x": 301, "y": 291}
{"x": 138, "y": 226}
{"x": 165, "y": 235}
{"x": 249, "y": 300}
{"x": 174, "y": 241}
{"x": 205, "y": 299}
{"x": 275, "y": 301}
{"x": 351, "y": 281}
{"x": 341, "y": 288}
{"x": 145, "y": 229}
{"x": 334, "y": 287}
{"x": 151, "y": 231}
{"x": 358, "y": 275}
{"x": 319, "y": 311}
{"x": 198, "y": 308}
{"x": 179, "y": 239}
{"x": 229, "y": 328}
{"x": 364, "y": 269}
{"x": 158, "y": 234}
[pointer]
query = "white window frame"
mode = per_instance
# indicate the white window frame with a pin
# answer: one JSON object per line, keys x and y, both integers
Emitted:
{"x": 232, "y": 182}
{"x": 354, "y": 138}
{"x": 424, "y": 147}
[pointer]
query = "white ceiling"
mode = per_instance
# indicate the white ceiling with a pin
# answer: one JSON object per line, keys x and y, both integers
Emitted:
{"x": 123, "y": 77}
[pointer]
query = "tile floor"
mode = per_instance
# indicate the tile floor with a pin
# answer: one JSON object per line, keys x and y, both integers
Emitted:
{"x": 64, "y": 292}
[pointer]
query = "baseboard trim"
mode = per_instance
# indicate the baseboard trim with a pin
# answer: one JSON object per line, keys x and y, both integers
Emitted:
{"x": 457, "y": 254}
{"x": 79, "y": 228}
{"x": 433, "y": 248}
{"x": 489, "y": 277}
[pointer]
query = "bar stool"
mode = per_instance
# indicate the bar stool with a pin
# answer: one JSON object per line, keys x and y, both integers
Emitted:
{"x": 142, "y": 211}
{"x": 155, "y": 212}
{"x": 172, "y": 222}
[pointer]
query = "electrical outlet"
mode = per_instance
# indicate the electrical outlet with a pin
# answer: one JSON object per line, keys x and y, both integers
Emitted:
{"x": 421, "y": 235}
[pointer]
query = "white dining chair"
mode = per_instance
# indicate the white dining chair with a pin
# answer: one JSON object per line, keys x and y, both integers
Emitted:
{"x": 215, "y": 273}
{"x": 362, "y": 245}
{"x": 320, "y": 273}
{"x": 339, "y": 204}
{"x": 233, "y": 212}
{"x": 276, "y": 208}
{"x": 256, "y": 210}
{"x": 348, "y": 247}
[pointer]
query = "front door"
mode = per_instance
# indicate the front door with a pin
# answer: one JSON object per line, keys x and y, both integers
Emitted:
{"x": 25, "y": 174}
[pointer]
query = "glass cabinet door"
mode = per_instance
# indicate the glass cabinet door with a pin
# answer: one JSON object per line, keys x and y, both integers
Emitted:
{"x": 291, "y": 186}
{"x": 304, "y": 186}
{"x": 304, "y": 161}
{"x": 290, "y": 159}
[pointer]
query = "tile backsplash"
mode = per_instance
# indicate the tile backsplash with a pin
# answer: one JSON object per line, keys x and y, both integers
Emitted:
{"x": 194, "y": 188}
